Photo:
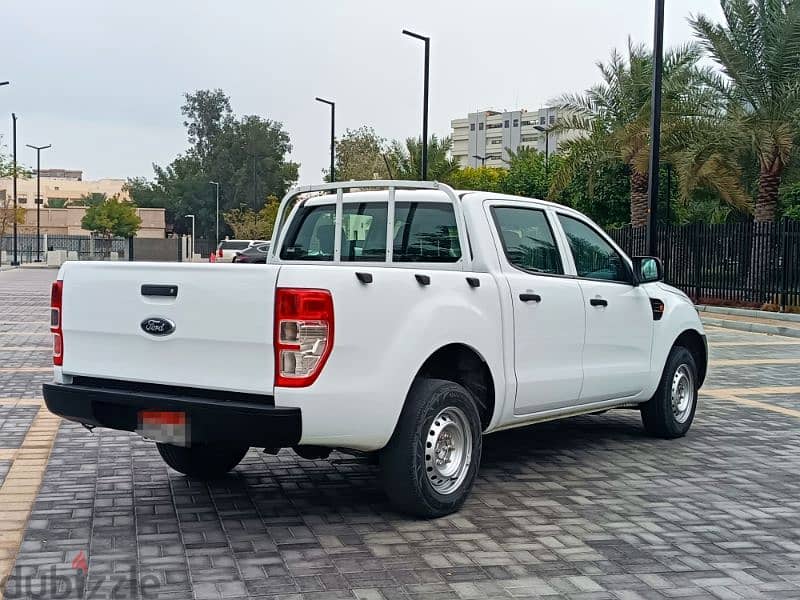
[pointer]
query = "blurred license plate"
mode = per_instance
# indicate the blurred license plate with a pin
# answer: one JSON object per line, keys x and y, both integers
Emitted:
{"x": 169, "y": 427}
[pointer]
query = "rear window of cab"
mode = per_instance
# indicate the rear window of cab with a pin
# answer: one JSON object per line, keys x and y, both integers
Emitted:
{"x": 423, "y": 232}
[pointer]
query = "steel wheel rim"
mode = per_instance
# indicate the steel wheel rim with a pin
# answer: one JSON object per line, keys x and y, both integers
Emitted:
{"x": 682, "y": 393}
{"x": 448, "y": 450}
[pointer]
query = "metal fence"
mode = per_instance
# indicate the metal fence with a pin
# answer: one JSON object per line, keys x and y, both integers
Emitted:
{"x": 86, "y": 247}
{"x": 748, "y": 263}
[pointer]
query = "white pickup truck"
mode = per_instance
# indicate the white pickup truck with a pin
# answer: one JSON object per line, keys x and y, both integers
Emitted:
{"x": 400, "y": 320}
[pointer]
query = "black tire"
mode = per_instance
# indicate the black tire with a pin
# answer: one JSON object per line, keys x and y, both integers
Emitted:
{"x": 202, "y": 461}
{"x": 659, "y": 417}
{"x": 406, "y": 460}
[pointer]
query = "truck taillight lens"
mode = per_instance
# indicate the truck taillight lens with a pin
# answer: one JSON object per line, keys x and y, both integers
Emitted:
{"x": 303, "y": 335}
{"x": 56, "y": 292}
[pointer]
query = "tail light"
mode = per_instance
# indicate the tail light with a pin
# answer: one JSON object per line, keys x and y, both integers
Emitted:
{"x": 303, "y": 335}
{"x": 55, "y": 322}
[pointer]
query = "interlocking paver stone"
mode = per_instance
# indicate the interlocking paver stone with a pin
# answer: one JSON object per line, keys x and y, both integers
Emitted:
{"x": 588, "y": 508}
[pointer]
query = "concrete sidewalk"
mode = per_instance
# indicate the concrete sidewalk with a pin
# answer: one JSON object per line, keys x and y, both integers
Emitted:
{"x": 754, "y": 321}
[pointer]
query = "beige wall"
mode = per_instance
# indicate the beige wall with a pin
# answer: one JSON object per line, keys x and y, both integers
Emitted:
{"x": 61, "y": 188}
{"x": 67, "y": 221}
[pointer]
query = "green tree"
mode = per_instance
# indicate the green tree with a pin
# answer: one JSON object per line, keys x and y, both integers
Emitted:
{"x": 360, "y": 154}
{"x": 248, "y": 224}
{"x": 112, "y": 218}
{"x": 247, "y": 155}
{"x": 486, "y": 179}
{"x": 406, "y": 159}
{"x": 758, "y": 51}
{"x": 612, "y": 122}
{"x": 527, "y": 174}
{"x": 90, "y": 199}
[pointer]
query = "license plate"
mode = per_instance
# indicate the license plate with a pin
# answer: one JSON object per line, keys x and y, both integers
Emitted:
{"x": 169, "y": 427}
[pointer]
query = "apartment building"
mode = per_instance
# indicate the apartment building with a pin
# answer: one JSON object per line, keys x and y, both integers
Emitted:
{"x": 60, "y": 187}
{"x": 482, "y": 138}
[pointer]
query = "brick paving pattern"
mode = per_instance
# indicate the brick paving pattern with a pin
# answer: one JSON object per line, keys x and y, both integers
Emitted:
{"x": 584, "y": 509}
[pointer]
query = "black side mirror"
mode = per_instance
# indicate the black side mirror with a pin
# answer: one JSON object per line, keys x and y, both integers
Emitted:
{"x": 648, "y": 269}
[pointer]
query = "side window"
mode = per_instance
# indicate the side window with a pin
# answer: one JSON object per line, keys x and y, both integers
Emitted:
{"x": 594, "y": 256}
{"x": 311, "y": 234}
{"x": 527, "y": 239}
{"x": 364, "y": 231}
{"x": 425, "y": 232}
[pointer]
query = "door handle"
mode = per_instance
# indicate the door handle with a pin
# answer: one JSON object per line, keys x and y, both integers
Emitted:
{"x": 598, "y": 302}
{"x": 530, "y": 297}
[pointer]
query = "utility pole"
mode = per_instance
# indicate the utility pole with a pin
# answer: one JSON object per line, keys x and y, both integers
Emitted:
{"x": 655, "y": 130}
{"x": 426, "y": 81}
{"x": 38, "y": 197}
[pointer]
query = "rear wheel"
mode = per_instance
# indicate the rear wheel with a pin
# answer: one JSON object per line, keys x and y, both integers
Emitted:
{"x": 429, "y": 465}
{"x": 202, "y": 461}
{"x": 670, "y": 412}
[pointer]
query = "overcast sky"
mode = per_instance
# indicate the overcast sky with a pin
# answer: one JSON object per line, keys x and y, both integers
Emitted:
{"x": 103, "y": 81}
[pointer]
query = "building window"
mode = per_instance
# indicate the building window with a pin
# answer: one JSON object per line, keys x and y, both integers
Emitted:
{"x": 505, "y": 123}
{"x": 472, "y": 126}
{"x": 22, "y": 199}
{"x": 542, "y": 121}
{"x": 527, "y": 123}
{"x": 516, "y": 122}
{"x": 496, "y": 141}
{"x": 529, "y": 138}
{"x": 480, "y": 126}
{"x": 552, "y": 119}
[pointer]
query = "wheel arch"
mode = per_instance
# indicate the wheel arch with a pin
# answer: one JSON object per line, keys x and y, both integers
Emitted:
{"x": 694, "y": 342}
{"x": 463, "y": 364}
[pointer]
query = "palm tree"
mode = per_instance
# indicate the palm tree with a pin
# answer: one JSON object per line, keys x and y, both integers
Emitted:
{"x": 758, "y": 50}
{"x": 612, "y": 120}
{"x": 407, "y": 159}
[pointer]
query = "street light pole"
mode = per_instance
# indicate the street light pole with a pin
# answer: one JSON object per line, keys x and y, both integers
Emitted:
{"x": 333, "y": 133}
{"x": 427, "y": 42}
{"x": 15, "y": 261}
{"x": 215, "y": 183}
{"x": 480, "y": 158}
{"x": 193, "y": 243}
{"x": 655, "y": 129}
{"x": 546, "y": 132}
{"x": 38, "y": 197}
{"x": 4, "y": 82}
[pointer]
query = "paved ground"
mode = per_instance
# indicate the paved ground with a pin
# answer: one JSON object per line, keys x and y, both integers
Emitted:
{"x": 588, "y": 508}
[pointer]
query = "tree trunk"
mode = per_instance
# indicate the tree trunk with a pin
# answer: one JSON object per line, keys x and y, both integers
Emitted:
{"x": 639, "y": 210}
{"x": 767, "y": 201}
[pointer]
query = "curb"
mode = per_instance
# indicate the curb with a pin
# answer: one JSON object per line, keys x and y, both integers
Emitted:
{"x": 752, "y": 327}
{"x": 749, "y": 312}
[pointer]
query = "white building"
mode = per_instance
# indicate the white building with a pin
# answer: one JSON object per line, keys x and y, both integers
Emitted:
{"x": 483, "y": 137}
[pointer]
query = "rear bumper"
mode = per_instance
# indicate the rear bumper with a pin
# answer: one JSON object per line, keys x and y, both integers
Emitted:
{"x": 210, "y": 420}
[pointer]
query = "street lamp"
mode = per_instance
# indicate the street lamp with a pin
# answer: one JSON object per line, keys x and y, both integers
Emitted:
{"x": 215, "y": 183}
{"x": 15, "y": 260}
{"x": 546, "y": 132}
{"x": 427, "y": 42}
{"x": 480, "y": 158}
{"x": 4, "y": 82}
{"x": 333, "y": 132}
{"x": 38, "y": 196}
{"x": 193, "y": 246}
{"x": 655, "y": 129}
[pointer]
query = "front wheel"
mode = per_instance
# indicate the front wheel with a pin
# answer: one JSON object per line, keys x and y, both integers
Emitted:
{"x": 670, "y": 412}
{"x": 430, "y": 463}
{"x": 202, "y": 461}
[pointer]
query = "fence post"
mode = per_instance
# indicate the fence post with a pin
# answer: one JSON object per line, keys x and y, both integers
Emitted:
{"x": 697, "y": 244}
{"x": 130, "y": 248}
{"x": 785, "y": 266}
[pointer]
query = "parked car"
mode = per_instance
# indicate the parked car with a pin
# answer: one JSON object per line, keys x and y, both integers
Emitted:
{"x": 403, "y": 324}
{"x": 253, "y": 254}
{"x": 227, "y": 249}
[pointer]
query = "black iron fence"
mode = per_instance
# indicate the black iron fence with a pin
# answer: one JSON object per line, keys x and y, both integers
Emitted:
{"x": 751, "y": 264}
{"x": 85, "y": 247}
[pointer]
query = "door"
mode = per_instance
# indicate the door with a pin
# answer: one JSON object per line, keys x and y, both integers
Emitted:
{"x": 548, "y": 311}
{"x": 619, "y": 317}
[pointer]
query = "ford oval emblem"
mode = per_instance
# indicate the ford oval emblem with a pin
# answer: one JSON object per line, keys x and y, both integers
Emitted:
{"x": 158, "y": 326}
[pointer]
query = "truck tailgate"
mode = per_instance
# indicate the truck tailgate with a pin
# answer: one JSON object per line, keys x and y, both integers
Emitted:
{"x": 222, "y": 317}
